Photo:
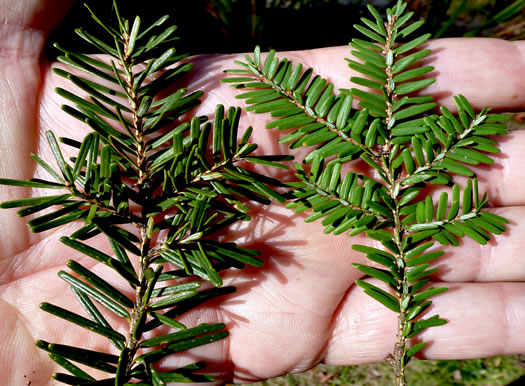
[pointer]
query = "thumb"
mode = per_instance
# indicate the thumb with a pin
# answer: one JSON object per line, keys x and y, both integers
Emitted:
{"x": 25, "y": 24}
{"x": 24, "y": 27}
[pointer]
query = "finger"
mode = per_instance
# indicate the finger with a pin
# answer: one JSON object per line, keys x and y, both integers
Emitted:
{"x": 483, "y": 320}
{"x": 280, "y": 235}
{"x": 504, "y": 180}
{"x": 24, "y": 26}
{"x": 31, "y": 16}
{"x": 501, "y": 259}
{"x": 486, "y": 71}
{"x": 495, "y": 83}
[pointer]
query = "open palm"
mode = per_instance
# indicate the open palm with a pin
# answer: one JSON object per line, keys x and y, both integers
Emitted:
{"x": 301, "y": 307}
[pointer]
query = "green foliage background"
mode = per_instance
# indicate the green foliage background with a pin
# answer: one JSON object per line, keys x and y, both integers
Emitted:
{"x": 496, "y": 371}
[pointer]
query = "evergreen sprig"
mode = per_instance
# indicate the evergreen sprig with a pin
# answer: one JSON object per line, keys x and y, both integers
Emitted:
{"x": 401, "y": 139}
{"x": 176, "y": 181}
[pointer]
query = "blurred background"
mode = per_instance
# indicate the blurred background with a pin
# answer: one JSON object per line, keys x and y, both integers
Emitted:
{"x": 227, "y": 26}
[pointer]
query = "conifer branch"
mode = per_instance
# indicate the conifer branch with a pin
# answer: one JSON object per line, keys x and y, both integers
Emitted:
{"x": 397, "y": 136}
{"x": 126, "y": 173}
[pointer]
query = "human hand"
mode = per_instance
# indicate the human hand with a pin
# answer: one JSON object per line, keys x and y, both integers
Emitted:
{"x": 302, "y": 307}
